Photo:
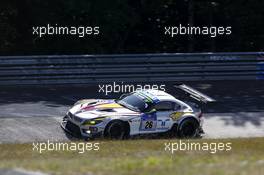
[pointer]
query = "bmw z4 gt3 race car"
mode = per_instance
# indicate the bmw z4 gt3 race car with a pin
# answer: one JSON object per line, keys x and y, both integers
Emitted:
{"x": 140, "y": 112}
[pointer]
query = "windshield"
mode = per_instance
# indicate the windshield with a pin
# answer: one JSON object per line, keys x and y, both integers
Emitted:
{"x": 133, "y": 102}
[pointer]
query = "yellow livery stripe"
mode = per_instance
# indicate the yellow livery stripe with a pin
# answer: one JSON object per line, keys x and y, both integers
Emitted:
{"x": 111, "y": 105}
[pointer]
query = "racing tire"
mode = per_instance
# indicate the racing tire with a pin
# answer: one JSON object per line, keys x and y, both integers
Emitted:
{"x": 115, "y": 130}
{"x": 173, "y": 132}
{"x": 188, "y": 128}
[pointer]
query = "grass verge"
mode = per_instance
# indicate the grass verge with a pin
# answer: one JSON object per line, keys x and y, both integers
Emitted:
{"x": 134, "y": 157}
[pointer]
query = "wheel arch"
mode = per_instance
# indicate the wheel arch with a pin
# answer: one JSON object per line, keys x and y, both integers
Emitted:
{"x": 188, "y": 117}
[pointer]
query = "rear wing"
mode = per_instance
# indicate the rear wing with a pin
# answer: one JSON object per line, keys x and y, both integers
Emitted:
{"x": 195, "y": 94}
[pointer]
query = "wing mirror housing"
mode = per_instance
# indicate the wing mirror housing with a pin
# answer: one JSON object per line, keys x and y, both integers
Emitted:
{"x": 151, "y": 111}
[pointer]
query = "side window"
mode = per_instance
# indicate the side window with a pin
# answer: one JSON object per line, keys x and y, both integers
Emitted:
{"x": 176, "y": 107}
{"x": 165, "y": 106}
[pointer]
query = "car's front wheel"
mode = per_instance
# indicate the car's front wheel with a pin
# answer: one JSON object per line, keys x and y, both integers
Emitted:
{"x": 115, "y": 130}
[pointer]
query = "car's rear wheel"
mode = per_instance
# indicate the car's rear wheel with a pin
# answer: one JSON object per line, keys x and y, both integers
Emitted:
{"x": 188, "y": 128}
{"x": 115, "y": 130}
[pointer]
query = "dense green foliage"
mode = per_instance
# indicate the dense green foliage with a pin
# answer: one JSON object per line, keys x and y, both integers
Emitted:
{"x": 129, "y": 26}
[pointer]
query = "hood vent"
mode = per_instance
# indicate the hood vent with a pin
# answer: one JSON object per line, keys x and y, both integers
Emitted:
{"x": 92, "y": 103}
{"x": 106, "y": 110}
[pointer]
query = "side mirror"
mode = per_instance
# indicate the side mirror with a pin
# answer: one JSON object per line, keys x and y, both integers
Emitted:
{"x": 151, "y": 111}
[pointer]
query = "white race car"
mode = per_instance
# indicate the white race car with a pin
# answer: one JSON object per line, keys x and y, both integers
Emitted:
{"x": 140, "y": 112}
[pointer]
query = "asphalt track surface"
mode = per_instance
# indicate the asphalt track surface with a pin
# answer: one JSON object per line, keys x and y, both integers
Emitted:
{"x": 33, "y": 114}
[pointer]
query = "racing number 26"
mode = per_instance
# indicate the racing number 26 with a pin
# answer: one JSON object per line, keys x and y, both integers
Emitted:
{"x": 148, "y": 124}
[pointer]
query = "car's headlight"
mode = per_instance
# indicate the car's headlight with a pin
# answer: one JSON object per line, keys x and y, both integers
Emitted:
{"x": 93, "y": 121}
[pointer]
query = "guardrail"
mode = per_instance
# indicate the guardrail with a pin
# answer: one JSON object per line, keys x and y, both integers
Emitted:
{"x": 77, "y": 69}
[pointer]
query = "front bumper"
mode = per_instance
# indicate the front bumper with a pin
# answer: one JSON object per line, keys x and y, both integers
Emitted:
{"x": 78, "y": 131}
